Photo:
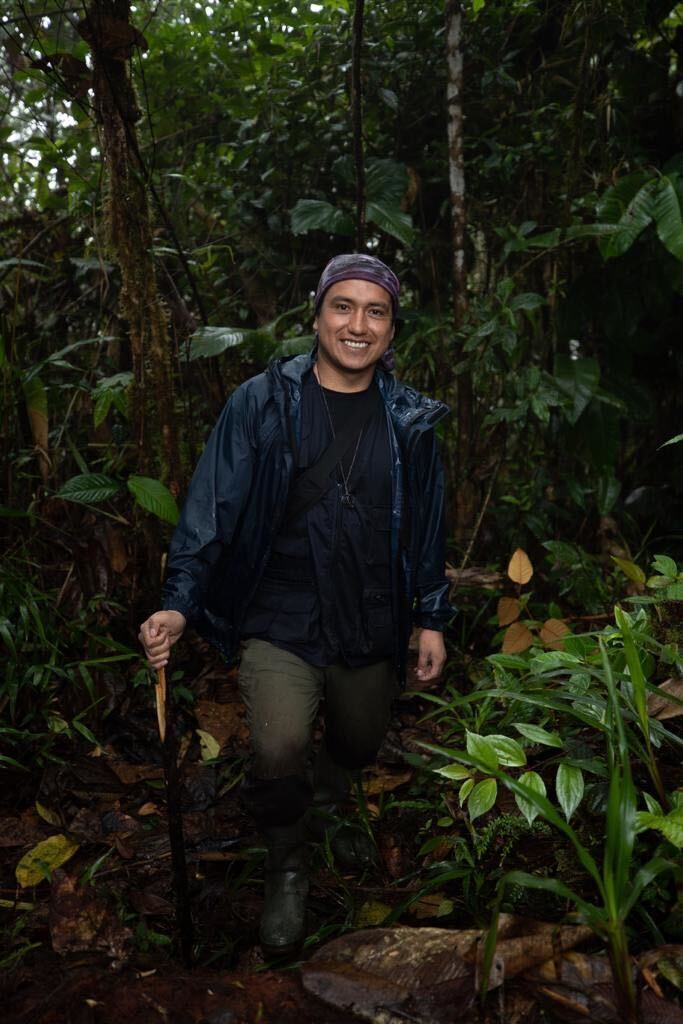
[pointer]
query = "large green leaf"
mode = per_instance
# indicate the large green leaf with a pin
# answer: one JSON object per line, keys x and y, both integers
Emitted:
{"x": 386, "y": 181}
{"x": 89, "y": 488}
{"x": 667, "y": 214}
{"x": 211, "y": 341}
{"x": 639, "y": 213}
{"x": 318, "y": 214}
{"x": 391, "y": 219}
{"x": 154, "y": 497}
{"x": 579, "y": 379}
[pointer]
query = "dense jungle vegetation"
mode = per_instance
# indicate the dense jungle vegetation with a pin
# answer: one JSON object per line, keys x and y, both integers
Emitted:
{"x": 174, "y": 177}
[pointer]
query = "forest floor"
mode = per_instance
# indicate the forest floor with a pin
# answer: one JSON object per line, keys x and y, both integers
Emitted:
{"x": 97, "y": 944}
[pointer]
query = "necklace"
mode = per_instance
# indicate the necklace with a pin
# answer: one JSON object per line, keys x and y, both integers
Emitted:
{"x": 346, "y": 498}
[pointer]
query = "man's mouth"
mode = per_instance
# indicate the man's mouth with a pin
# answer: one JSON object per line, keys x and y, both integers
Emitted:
{"x": 355, "y": 344}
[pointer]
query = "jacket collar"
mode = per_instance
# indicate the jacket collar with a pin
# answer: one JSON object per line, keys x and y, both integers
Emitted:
{"x": 408, "y": 408}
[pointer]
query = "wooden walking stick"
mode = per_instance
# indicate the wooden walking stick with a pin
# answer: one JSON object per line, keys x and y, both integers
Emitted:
{"x": 164, "y": 706}
{"x": 160, "y": 699}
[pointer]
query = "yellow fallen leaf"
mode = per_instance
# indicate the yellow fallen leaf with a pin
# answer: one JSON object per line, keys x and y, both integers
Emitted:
{"x": 520, "y": 569}
{"x": 48, "y": 815}
{"x": 43, "y": 859}
{"x": 385, "y": 782}
{"x": 553, "y": 632}
{"x": 518, "y": 638}
{"x": 508, "y": 610}
{"x": 148, "y": 808}
{"x": 371, "y": 913}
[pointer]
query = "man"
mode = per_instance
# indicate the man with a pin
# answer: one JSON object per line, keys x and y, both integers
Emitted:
{"x": 312, "y": 537}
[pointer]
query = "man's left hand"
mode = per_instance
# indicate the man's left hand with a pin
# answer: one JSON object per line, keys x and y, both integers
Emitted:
{"x": 431, "y": 655}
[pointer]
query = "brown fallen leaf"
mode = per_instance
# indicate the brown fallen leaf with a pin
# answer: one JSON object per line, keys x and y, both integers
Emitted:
{"x": 81, "y": 919}
{"x": 577, "y": 988}
{"x": 225, "y": 722}
{"x": 658, "y": 704}
{"x": 398, "y": 972}
{"x": 385, "y": 782}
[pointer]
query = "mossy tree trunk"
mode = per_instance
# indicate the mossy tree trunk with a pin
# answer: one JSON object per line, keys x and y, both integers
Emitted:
{"x": 465, "y": 490}
{"x": 113, "y": 40}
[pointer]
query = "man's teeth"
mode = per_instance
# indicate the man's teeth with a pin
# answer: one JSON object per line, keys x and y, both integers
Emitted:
{"x": 356, "y": 344}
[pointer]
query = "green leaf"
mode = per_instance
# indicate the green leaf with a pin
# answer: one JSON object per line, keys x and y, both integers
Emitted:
{"x": 457, "y": 772}
{"x": 538, "y": 735}
{"x": 89, "y": 488}
{"x": 551, "y": 661}
{"x": 569, "y": 788}
{"x": 154, "y": 497}
{"x": 319, "y": 215}
{"x": 479, "y": 747}
{"x": 639, "y": 213}
{"x": 211, "y": 341}
{"x": 103, "y": 404}
{"x": 665, "y": 565}
{"x": 12, "y": 513}
{"x": 534, "y": 781}
{"x": 482, "y": 798}
{"x": 672, "y": 440}
{"x": 630, "y": 569}
{"x": 510, "y": 753}
{"x": 391, "y": 219}
{"x": 667, "y": 214}
{"x": 465, "y": 790}
{"x": 386, "y": 181}
{"x": 527, "y": 301}
{"x": 579, "y": 379}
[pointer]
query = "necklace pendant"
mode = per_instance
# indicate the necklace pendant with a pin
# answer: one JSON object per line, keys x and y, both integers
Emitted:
{"x": 347, "y": 500}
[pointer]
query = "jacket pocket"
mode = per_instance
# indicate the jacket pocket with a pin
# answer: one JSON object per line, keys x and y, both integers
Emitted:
{"x": 282, "y": 613}
{"x": 378, "y": 551}
{"x": 378, "y": 623}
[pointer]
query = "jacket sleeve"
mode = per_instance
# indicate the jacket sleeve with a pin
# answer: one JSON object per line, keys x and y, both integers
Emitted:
{"x": 432, "y": 608}
{"x": 215, "y": 501}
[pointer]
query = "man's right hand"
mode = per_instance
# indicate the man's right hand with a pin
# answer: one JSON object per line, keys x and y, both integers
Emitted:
{"x": 158, "y": 634}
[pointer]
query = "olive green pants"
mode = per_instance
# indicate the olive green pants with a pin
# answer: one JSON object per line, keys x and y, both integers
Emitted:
{"x": 283, "y": 695}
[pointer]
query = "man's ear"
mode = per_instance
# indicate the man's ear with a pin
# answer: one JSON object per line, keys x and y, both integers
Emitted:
{"x": 315, "y": 325}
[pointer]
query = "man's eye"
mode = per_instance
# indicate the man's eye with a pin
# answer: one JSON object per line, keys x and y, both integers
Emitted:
{"x": 378, "y": 312}
{"x": 341, "y": 307}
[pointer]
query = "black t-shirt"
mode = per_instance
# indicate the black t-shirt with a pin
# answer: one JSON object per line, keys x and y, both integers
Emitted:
{"x": 326, "y": 591}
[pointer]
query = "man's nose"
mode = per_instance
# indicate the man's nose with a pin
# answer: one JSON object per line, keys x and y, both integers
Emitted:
{"x": 357, "y": 321}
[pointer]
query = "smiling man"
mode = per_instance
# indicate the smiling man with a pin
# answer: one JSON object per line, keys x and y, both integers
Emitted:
{"x": 312, "y": 539}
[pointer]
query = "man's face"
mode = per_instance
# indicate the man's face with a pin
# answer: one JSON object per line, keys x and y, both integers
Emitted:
{"x": 355, "y": 327}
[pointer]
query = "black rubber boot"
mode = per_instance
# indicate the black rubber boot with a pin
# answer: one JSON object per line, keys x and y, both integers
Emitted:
{"x": 283, "y": 920}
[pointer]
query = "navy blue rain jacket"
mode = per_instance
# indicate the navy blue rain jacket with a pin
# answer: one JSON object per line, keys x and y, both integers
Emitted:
{"x": 238, "y": 494}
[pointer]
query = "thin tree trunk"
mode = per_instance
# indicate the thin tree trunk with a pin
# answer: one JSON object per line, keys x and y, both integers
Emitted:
{"x": 113, "y": 38}
{"x": 465, "y": 493}
{"x": 357, "y": 122}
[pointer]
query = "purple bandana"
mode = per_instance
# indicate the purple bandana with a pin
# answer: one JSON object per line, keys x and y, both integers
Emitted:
{"x": 358, "y": 266}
